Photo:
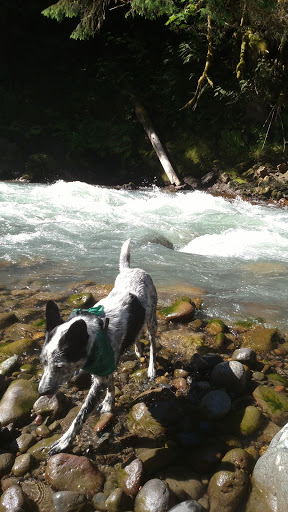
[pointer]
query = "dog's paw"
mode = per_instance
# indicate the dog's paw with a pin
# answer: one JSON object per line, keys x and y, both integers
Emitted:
{"x": 58, "y": 447}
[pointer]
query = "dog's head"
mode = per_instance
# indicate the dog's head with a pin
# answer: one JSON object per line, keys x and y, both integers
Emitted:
{"x": 64, "y": 350}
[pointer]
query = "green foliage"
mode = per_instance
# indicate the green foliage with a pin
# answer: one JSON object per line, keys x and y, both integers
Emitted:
{"x": 152, "y": 9}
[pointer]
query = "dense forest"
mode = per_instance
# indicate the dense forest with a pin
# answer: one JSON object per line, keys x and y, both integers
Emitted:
{"x": 211, "y": 77}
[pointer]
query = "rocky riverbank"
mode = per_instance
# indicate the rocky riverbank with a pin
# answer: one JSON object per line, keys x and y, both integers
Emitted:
{"x": 188, "y": 441}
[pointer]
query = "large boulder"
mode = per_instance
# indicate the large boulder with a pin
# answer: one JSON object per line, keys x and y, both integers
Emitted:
{"x": 269, "y": 479}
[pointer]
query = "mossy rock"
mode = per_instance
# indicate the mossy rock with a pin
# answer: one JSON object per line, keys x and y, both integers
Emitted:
{"x": 251, "y": 422}
{"x": 216, "y": 326}
{"x": 274, "y": 404}
{"x": 277, "y": 380}
{"x": 17, "y": 402}
{"x": 7, "y": 319}
{"x": 83, "y": 300}
{"x": 141, "y": 422}
{"x": 40, "y": 450}
{"x": 260, "y": 339}
{"x": 16, "y": 347}
{"x": 180, "y": 311}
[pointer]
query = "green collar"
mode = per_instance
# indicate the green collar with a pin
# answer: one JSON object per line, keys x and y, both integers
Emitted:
{"x": 101, "y": 358}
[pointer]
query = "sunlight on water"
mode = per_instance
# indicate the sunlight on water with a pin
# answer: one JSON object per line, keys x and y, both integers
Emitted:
{"x": 56, "y": 235}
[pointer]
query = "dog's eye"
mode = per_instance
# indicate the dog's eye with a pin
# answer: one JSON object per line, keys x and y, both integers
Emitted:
{"x": 59, "y": 365}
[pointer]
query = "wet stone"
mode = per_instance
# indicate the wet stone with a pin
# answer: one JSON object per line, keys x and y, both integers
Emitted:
{"x": 68, "y": 501}
{"x": 184, "y": 483}
{"x": 6, "y": 463}
{"x": 141, "y": 422}
{"x": 188, "y": 506}
{"x": 7, "y": 319}
{"x": 260, "y": 339}
{"x": 245, "y": 356}
{"x": 216, "y": 404}
{"x": 16, "y": 347}
{"x": 130, "y": 477}
{"x": 229, "y": 486}
{"x": 274, "y": 404}
{"x": 252, "y": 421}
{"x": 73, "y": 473}
{"x": 22, "y": 464}
{"x": 8, "y": 366}
{"x": 13, "y": 499}
{"x": 180, "y": 311}
{"x": 230, "y": 375}
{"x": 24, "y": 442}
{"x": 40, "y": 450}
{"x": 55, "y": 406}
{"x": 154, "y": 496}
{"x": 118, "y": 501}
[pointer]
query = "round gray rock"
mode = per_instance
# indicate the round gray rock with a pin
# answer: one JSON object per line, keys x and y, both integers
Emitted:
{"x": 188, "y": 506}
{"x": 230, "y": 375}
{"x": 216, "y": 404}
{"x": 154, "y": 496}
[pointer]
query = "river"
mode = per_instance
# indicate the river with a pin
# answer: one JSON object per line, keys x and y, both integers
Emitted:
{"x": 234, "y": 252}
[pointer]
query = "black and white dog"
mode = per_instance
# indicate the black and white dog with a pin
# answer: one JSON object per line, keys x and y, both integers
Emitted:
{"x": 85, "y": 342}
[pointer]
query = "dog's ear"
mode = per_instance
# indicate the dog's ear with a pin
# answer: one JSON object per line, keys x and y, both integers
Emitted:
{"x": 74, "y": 343}
{"x": 53, "y": 317}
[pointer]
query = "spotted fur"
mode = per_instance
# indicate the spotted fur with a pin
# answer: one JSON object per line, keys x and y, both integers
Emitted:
{"x": 130, "y": 304}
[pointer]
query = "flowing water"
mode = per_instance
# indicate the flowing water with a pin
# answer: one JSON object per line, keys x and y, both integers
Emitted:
{"x": 236, "y": 253}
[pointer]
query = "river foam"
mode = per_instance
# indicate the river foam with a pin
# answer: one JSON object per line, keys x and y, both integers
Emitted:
{"x": 58, "y": 234}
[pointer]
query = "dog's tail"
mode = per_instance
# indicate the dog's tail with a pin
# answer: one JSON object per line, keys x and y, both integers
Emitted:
{"x": 125, "y": 255}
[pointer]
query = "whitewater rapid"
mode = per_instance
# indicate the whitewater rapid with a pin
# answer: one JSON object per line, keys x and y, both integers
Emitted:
{"x": 233, "y": 251}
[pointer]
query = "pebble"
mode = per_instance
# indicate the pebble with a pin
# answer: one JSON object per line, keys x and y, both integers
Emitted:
{"x": 65, "y": 472}
{"x": 154, "y": 496}
{"x": 216, "y": 404}
{"x": 68, "y": 501}
{"x": 6, "y": 463}
{"x": 188, "y": 506}
{"x": 130, "y": 477}
{"x": 13, "y": 500}
{"x": 230, "y": 375}
{"x": 22, "y": 464}
{"x": 245, "y": 356}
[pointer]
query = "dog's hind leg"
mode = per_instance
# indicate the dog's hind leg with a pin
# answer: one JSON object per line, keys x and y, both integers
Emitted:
{"x": 152, "y": 329}
{"x": 108, "y": 402}
{"x": 138, "y": 348}
{"x": 98, "y": 386}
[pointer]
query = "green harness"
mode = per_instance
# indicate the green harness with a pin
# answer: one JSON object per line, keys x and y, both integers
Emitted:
{"x": 101, "y": 358}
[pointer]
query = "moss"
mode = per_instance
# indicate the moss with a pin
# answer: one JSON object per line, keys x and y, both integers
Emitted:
{"x": 18, "y": 347}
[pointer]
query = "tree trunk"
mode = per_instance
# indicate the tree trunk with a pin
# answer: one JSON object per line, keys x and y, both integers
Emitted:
{"x": 160, "y": 151}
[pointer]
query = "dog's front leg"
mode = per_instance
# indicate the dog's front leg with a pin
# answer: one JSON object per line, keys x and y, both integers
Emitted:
{"x": 98, "y": 386}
